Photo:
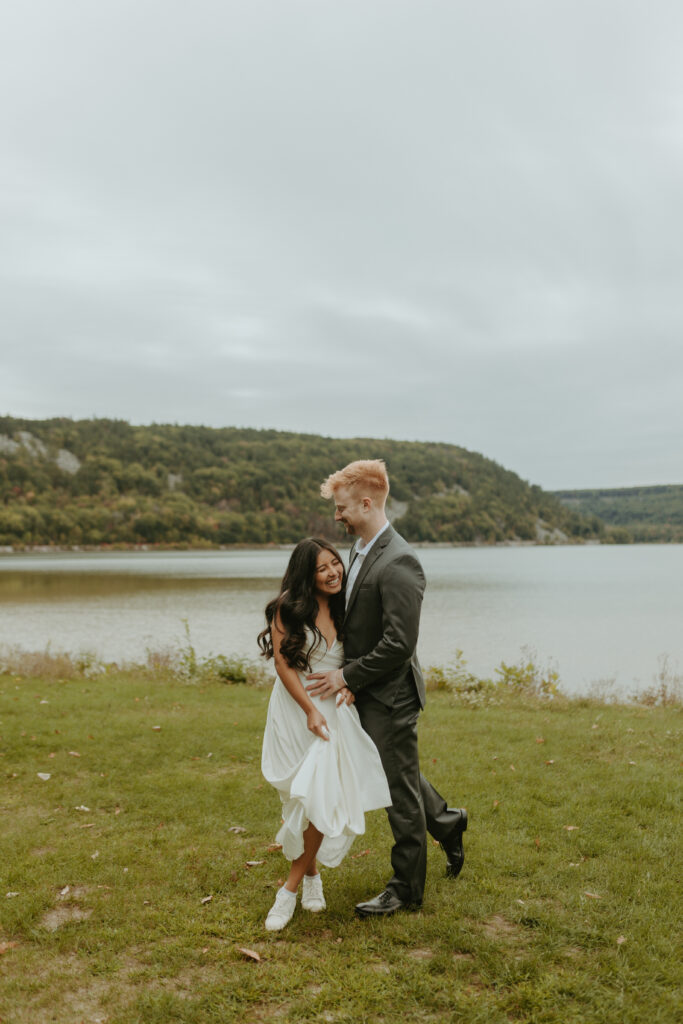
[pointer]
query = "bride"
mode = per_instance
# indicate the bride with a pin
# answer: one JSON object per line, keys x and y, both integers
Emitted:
{"x": 324, "y": 766}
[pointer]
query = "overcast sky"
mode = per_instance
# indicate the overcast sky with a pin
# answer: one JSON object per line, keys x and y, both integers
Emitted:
{"x": 429, "y": 220}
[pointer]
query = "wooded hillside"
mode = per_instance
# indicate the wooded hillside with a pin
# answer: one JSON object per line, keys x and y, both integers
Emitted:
{"x": 94, "y": 482}
{"x": 648, "y": 513}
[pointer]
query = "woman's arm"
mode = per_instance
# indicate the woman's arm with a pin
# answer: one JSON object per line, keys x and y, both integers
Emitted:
{"x": 293, "y": 685}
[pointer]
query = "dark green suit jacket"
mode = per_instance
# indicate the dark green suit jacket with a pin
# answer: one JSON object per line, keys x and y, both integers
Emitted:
{"x": 383, "y": 619}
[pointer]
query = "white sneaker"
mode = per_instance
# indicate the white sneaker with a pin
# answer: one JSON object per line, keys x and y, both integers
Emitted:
{"x": 312, "y": 897}
{"x": 281, "y": 912}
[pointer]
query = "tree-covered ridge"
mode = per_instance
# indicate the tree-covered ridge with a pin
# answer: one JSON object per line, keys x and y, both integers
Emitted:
{"x": 648, "y": 513}
{"x": 93, "y": 482}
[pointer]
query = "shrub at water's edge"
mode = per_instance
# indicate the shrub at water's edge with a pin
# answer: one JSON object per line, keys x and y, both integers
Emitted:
{"x": 525, "y": 681}
{"x": 529, "y": 681}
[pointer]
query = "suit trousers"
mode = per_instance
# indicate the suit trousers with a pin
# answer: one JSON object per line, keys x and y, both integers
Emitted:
{"x": 416, "y": 806}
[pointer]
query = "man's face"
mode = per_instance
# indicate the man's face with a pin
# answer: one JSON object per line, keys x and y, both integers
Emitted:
{"x": 349, "y": 509}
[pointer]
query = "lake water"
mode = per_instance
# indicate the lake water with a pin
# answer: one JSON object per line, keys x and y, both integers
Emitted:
{"x": 594, "y": 613}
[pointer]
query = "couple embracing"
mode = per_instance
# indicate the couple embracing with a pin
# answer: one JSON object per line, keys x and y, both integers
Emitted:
{"x": 341, "y": 732}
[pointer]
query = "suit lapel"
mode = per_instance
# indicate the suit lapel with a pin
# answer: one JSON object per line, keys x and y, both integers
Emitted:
{"x": 369, "y": 560}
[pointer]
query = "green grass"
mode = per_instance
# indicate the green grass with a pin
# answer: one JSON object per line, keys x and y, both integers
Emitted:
{"x": 516, "y": 938}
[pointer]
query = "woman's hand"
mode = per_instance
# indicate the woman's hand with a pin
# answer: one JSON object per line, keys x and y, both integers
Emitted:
{"x": 344, "y": 696}
{"x": 317, "y": 724}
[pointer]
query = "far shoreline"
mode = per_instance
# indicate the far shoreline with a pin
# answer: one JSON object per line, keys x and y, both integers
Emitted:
{"x": 118, "y": 549}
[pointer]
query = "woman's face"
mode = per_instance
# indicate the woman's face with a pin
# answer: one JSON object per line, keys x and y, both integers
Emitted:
{"x": 329, "y": 573}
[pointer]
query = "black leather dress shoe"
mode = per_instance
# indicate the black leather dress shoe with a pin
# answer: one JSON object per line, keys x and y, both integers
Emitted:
{"x": 382, "y": 905}
{"x": 453, "y": 848}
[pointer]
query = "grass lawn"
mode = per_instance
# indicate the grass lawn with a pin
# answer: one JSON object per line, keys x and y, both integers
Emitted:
{"x": 125, "y": 897}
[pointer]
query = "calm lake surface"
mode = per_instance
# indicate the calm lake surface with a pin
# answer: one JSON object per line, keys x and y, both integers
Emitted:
{"x": 593, "y": 613}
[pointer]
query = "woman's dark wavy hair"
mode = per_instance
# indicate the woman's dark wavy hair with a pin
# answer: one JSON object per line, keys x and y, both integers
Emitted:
{"x": 297, "y": 605}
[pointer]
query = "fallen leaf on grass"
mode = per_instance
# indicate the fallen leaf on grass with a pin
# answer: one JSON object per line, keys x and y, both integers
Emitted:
{"x": 363, "y": 853}
{"x": 254, "y": 863}
{"x": 207, "y": 899}
{"x": 236, "y": 829}
{"x": 540, "y": 739}
{"x": 65, "y": 891}
{"x": 90, "y": 825}
{"x": 5, "y": 946}
{"x": 512, "y": 768}
{"x": 44, "y": 776}
{"x": 10, "y": 895}
{"x": 632, "y": 762}
{"x": 550, "y": 762}
{"x": 274, "y": 847}
{"x": 74, "y": 753}
{"x": 592, "y": 895}
{"x": 621, "y": 940}
{"x": 570, "y": 828}
{"x": 95, "y": 855}
{"x": 206, "y": 949}
{"x": 495, "y": 804}
{"x": 82, "y": 808}
{"x": 537, "y": 843}
{"x": 250, "y": 954}
{"x": 156, "y": 728}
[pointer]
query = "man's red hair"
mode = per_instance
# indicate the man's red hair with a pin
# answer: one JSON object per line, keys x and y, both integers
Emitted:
{"x": 365, "y": 474}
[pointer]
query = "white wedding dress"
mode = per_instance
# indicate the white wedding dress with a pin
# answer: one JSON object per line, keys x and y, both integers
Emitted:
{"x": 330, "y": 783}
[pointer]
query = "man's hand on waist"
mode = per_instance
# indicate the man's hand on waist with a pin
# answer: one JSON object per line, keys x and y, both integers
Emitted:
{"x": 325, "y": 684}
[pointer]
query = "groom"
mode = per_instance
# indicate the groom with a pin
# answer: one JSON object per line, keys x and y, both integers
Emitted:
{"x": 383, "y": 600}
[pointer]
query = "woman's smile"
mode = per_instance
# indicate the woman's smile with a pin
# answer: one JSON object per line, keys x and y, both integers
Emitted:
{"x": 329, "y": 573}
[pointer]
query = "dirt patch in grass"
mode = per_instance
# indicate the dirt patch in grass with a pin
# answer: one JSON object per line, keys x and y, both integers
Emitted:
{"x": 191, "y": 980}
{"x": 70, "y": 994}
{"x": 73, "y": 892}
{"x": 54, "y": 919}
{"x": 381, "y": 968}
{"x": 264, "y": 1012}
{"x": 421, "y": 954}
{"x": 498, "y": 927}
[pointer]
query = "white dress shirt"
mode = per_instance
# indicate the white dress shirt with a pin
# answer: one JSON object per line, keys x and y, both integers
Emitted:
{"x": 360, "y": 554}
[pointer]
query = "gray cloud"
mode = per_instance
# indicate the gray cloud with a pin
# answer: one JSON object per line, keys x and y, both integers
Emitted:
{"x": 423, "y": 220}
